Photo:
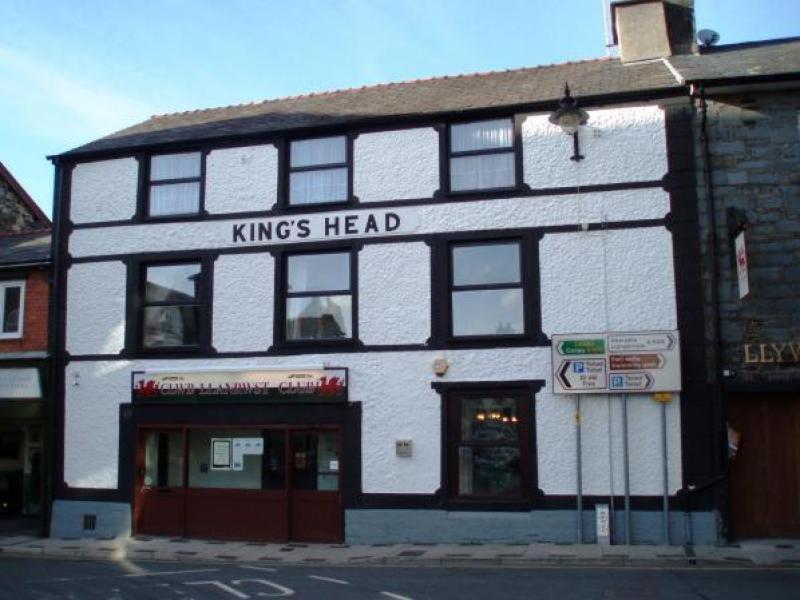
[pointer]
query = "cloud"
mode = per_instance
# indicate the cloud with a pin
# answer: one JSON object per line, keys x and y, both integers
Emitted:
{"x": 87, "y": 106}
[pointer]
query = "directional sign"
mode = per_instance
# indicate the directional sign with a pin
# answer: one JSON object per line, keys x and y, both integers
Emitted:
{"x": 584, "y": 374}
{"x": 569, "y": 347}
{"x": 629, "y": 362}
{"x": 636, "y": 362}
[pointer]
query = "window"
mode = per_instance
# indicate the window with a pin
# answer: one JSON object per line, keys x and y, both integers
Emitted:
{"x": 489, "y": 445}
{"x": 12, "y": 301}
{"x": 486, "y": 293}
{"x": 318, "y": 171}
{"x": 482, "y": 155}
{"x": 171, "y": 306}
{"x": 175, "y": 185}
{"x": 319, "y": 296}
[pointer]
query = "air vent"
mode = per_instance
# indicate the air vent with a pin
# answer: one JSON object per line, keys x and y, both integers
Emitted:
{"x": 89, "y": 522}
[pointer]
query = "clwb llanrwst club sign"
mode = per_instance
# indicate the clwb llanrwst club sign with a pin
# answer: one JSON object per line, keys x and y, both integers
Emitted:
{"x": 268, "y": 385}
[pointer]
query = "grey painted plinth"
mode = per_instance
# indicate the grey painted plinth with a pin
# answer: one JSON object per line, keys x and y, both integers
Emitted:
{"x": 378, "y": 526}
{"x": 113, "y": 519}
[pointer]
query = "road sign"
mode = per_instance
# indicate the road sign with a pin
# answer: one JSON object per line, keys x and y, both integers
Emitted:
{"x": 583, "y": 374}
{"x": 601, "y": 363}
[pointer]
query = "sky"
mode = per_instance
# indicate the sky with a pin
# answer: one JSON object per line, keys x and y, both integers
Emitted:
{"x": 71, "y": 72}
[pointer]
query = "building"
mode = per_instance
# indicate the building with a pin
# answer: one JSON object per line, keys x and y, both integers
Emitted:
{"x": 747, "y": 130}
{"x": 25, "y": 391}
{"x": 329, "y": 317}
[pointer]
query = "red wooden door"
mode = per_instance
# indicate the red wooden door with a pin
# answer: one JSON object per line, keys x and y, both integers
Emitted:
{"x": 315, "y": 492}
{"x": 160, "y": 493}
{"x": 765, "y": 474}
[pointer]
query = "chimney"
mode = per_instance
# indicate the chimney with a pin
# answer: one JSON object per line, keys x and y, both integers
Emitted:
{"x": 648, "y": 29}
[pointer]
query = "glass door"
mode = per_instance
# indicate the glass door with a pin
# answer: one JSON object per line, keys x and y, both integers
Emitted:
{"x": 160, "y": 491}
{"x": 315, "y": 482}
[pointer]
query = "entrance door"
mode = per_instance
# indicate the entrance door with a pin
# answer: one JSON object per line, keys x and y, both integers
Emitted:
{"x": 274, "y": 484}
{"x": 765, "y": 474}
{"x": 159, "y": 486}
{"x": 315, "y": 498}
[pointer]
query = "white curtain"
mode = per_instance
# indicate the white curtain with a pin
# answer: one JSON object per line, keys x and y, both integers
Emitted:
{"x": 325, "y": 185}
{"x": 482, "y": 135}
{"x": 321, "y": 151}
{"x": 174, "y": 198}
{"x": 482, "y": 172}
{"x": 175, "y": 166}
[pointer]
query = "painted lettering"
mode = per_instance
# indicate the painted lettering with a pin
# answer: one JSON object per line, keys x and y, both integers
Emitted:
{"x": 748, "y": 357}
{"x": 778, "y": 349}
{"x": 795, "y": 350}
{"x": 372, "y": 224}
{"x": 238, "y": 236}
{"x": 283, "y": 230}
{"x": 392, "y": 221}
{"x": 303, "y": 228}
{"x": 331, "y": 224}
{"x": 763, "y": 354}
{"x": 350, "y": 224}
{"x": 264, "y": 231}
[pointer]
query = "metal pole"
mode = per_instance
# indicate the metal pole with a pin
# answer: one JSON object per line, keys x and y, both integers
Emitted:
{"x": 665, "y": 470}
{"x": 626, "y": 471}
{"x": 578, "y": 466}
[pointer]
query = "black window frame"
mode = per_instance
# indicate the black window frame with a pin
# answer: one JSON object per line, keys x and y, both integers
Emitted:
{"x": 285, "y": 169}
{"x": 442, "y": 288}
{"x": 452, "y": 394}
{"x": 446, "y": 155}
{"x": 136, "y": 292}
{"x": 281, "y": 295}
{"x": 145, "y": 185}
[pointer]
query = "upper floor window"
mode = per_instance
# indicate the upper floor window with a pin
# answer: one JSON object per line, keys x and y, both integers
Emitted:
{"x": 12, "y": 300}
{"x": 175, "y": 184}
{"x": 318, "y": 171}
{"x": 171, "y": 308}
{"x": 482, "y": 155}
{"x": 319, "y": 296}
{"x": 486, "y": 289}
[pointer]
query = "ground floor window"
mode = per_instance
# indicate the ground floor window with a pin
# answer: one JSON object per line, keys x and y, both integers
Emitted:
{"x": 489, "y": 446}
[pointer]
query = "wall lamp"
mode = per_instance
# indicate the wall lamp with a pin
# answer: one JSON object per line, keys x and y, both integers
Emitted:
{"x": 569, "y": 116}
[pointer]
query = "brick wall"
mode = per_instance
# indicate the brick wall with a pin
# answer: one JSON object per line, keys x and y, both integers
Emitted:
{"x": 755, "y": 166}
{"x": 34, "y": 333}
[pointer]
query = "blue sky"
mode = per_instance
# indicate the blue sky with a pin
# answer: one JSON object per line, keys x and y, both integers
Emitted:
{"x": 74, "y": 71}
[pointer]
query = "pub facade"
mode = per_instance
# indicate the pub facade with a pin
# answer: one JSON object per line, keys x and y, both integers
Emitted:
{"x": 329, "y": 317}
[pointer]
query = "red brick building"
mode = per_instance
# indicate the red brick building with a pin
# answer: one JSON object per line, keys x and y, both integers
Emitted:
{"x": 24, "y": 355}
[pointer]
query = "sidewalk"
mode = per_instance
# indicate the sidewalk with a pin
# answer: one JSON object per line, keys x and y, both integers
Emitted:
{"x": 772, "y": 553}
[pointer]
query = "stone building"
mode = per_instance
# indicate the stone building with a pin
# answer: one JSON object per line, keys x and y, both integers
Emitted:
{"x": 747, "y": 131}
{"x": 25, "y": 393}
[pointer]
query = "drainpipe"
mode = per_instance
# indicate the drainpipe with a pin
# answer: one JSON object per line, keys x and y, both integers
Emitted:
{"x": 711, "y": 242}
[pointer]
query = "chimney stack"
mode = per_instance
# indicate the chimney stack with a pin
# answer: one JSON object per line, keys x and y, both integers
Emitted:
{"x": 649, "y": 29}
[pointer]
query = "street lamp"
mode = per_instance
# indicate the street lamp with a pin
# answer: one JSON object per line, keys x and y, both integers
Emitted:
{"x": 569, "y": 116}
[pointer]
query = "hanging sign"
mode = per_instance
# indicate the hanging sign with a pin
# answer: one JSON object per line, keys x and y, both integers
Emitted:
{"x": 741, "y": 265}
{"x": 603, "y": 363}
{"x": 290, "y": 386}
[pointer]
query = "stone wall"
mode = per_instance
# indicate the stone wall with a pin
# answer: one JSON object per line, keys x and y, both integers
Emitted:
{"x": 755, "y": 167}
{"x": 15, "y": 217}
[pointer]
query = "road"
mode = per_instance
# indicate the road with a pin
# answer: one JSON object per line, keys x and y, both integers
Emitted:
{"x": 23, "y": 578}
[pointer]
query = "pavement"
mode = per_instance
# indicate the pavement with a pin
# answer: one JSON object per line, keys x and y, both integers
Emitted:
{"x": 761, "y": 553}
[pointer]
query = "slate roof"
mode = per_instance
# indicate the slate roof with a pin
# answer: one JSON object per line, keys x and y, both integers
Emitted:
{"x": 527, "y": 86}
{"x": 753, "y": 59}
{"x": 24, "y": 248}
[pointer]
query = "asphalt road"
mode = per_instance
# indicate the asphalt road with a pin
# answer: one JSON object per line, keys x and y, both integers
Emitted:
{"x": 23, "y": 578}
